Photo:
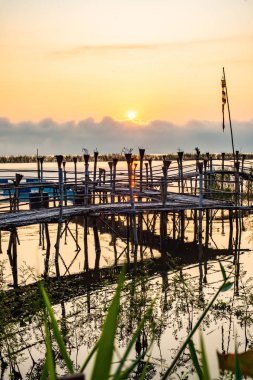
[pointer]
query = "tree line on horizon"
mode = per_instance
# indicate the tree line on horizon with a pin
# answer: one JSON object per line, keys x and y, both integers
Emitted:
{"x": 110, "y": 156}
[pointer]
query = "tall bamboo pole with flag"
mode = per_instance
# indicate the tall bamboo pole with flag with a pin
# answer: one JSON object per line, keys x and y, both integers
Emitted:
{"x": 224, "y": 102}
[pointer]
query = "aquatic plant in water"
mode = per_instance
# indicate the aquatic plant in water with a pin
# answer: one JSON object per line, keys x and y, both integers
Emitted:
{"x": 103, "y": 350}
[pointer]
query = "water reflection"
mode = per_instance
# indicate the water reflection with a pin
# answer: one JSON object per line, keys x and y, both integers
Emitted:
{"x": 176, "y": 265}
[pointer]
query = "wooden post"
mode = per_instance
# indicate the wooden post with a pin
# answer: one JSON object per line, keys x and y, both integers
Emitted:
{"x": 205, "y": 176}
{"x": 97, "y": 243}
{"x": 165, "y": 168}
{"x": 141, "y": 153}
{"x": 114, "y": 161}
{"x": 222, "y": 169}
{"x": 85, "y": 240}
{"x": 128, "y": 157}
{"x": 59, "y": 159}
{"x": 47, "y": 256}
{"x": 14, "y": 258}
{"x": 150, "y": 171}
{"x": 40, "y": 162}
{"x": 95, "y": 175}
{"x": 200, "y": 167}
{"x": 146, "y": 167}
{"x": 230, "y": 240}
{"x": 180, "y": 170}
{"x": 243, "y": 159}
{"x": 64, "y": 183}
{"x": 16, "y": 183}
{"x": 75, "y": 174}
{"x": 86, "y": 157}
{"x": 211, "y": 175}
{"x": 237, "y": 183}
{"x": 174, "y": 225}
{"x": 38, "y": 166}
{"x": 197, "y": 160}
{"x": 182, "y": 223}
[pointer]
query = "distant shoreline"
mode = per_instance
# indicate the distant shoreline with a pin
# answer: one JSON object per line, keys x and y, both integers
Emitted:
{"x": 120, "y": 157}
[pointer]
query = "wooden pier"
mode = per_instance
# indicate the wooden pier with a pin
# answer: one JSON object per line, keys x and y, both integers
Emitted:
{"x": 177, "y": 190}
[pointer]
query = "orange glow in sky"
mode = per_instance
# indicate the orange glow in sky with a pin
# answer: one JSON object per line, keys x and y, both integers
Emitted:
{"x": 70, "y": 60}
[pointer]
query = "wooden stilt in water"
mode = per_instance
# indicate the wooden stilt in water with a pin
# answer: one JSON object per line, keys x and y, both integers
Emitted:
{"x": 230, "y": 241}
{"x": 14, "y": 258}
{"x": 59, "y": 159}
{"x": 97, "y": 243}
{"x": 182, "y": 223}
{"x": 140, "y": 229}
{"x": 85, "y": 241}
{"x": 133, "y": 214}
{"x": 174, "y": 225}
{"x": 48, "y": 246}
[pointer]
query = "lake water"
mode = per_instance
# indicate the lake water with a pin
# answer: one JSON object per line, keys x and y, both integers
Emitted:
{"x": 170, "y": 274}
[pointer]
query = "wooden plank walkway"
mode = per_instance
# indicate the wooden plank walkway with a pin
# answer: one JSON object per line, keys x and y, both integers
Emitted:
{"x": 175, "y": 203}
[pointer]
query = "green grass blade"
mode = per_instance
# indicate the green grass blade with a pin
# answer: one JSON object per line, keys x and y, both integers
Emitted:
{"x": 238, "y": 375}
{"x": 132, "y": 342}
{"x": 102, "y": 365}
{"x": 56, "y": 330}
{"x": 92, "y": 352}
{"x": 228, "y": 285}
{"x": 49, "y": 354}
{"x": 195, "y": 359}
{"x": 143, "y": 375}
{"x": 124, "y": 375}
{"x": 224, "y": 275}
{"x": 44, "y": 373}
{"x": 205, "y": 369}
{"x": 184, "y": 345}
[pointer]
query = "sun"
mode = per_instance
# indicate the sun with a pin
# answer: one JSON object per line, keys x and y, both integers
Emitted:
{"x": 131, "y": 114}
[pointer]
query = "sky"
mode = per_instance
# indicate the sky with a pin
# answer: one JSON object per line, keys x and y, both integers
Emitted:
{"x": 71, "y": 70}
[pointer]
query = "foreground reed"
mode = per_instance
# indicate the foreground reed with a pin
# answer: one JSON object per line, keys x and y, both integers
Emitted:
{"x": 102, "y": 352}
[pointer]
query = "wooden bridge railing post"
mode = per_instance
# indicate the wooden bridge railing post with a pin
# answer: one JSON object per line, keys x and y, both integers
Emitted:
{"x": 95, "y": 174}
{"x": 141, "y": 153}
{"x": 237, "y": 183}
{"x": 150, "y": 171}
{"x": 75, "y": 175}
{"x": 146, "y": 167}
{"x": 205, "y": 175}
{"x": 180, "y": 171}
{"x": 200, "y": 168}
{"x": 211, "y": 179}
{"x": 242, "y": 169}
{"x": 222, "y": 169}
{"x": 128, "y": 157}
{"x": 114, "y": 161}
{"x": 86, "y": 157}
{"x": 164, "y": 181}
{"x": 197, "y": 160}
{"x": 41, "y": 178}
{"x": 59, "y": 159}
{"x": 64, "y": 183}
{"x": 16, "y": 183}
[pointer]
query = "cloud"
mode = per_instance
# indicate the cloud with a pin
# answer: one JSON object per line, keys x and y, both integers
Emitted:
{"x": 110, "y": 48}
{"x": 110, "y": 136}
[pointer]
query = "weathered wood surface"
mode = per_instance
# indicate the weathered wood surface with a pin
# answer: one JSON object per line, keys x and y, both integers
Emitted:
{"x": 175, "y": 202}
